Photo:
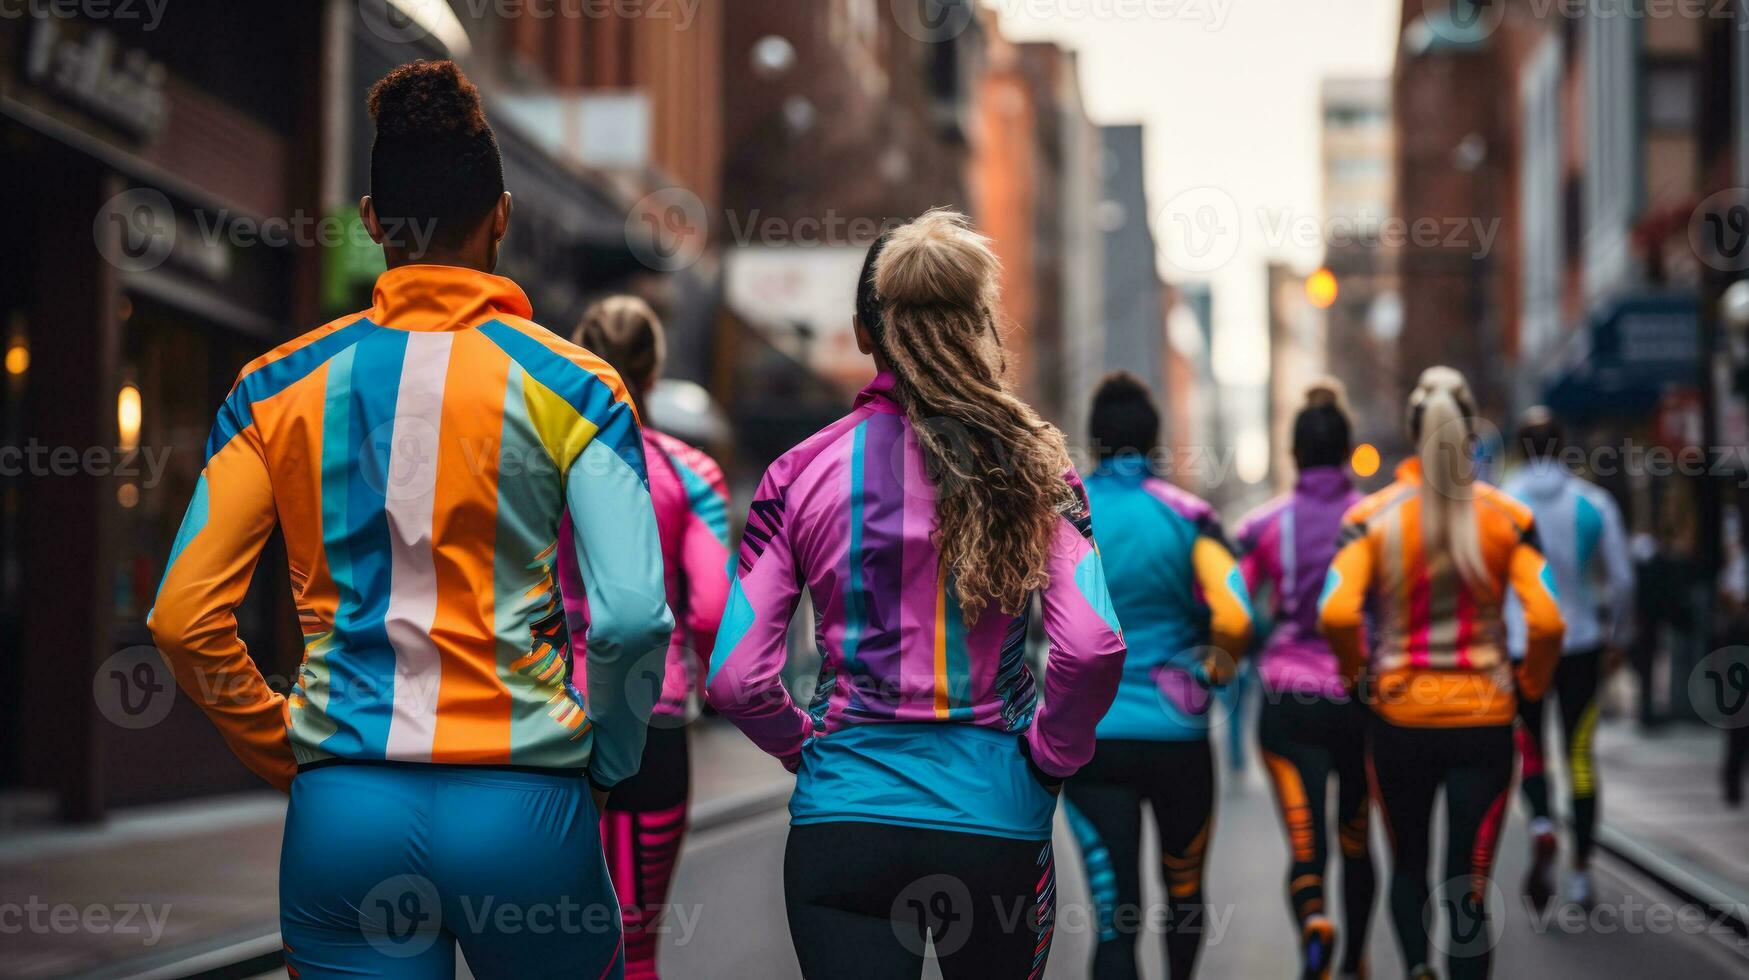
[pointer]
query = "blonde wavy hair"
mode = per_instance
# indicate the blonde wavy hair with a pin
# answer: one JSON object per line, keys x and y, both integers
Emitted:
{"x": 997, "y": 466}
{"x": 1440, "y": 410}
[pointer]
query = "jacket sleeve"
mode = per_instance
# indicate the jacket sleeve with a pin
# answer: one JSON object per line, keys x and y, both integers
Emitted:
{"x": 1533, "y": 582}
{"x": 1618, "y": 565}
{"x": 1250, "y": 558}
{"x": 1342, "y": 606}
{"x": 704, "y": 554}
{"x": 619, "y": 560}
{"x": 745, "y": 679}
{"x": 1086, "y": 650}
{"x": 194, "y": 621}
{"x": 1223, "y": 590}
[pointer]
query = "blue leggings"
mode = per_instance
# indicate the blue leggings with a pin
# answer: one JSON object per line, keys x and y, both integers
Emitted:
{"x": 386, "y": 869}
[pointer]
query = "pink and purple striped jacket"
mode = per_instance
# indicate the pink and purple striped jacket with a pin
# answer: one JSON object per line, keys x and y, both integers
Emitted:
{"x": 692, "y": 520}
{"x": 848, "y": 515}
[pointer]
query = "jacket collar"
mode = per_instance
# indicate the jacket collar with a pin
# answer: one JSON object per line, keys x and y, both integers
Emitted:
{"x": 1322, "y": 482}
{"x": 878, "y": 395}
{"x": 443, "y": 297}
{"x": 1133, "y": 466}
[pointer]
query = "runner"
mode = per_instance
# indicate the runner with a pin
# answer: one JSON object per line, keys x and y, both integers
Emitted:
{"x": 433, "y": 742}
{"x": 645, "y": 820}
{"x": 1436, "y": 551}
{"x": 921, "y": 525}
{"x": 1309, "y": 729}
{"x": 1179, "y": 593}
{"x": 1581, "y": 532}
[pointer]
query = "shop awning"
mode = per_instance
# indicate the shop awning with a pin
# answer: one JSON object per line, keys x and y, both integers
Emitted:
{"x": 1629, "y": 352}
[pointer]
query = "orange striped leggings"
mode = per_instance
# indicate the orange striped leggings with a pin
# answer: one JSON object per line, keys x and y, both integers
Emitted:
{"x": 1304, "y": 741}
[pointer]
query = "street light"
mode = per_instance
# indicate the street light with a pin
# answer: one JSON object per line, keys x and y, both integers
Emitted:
{"x": 1321, "y": 289}
{"x": 1365, "y": 460}
{"x": 127, "y": 416}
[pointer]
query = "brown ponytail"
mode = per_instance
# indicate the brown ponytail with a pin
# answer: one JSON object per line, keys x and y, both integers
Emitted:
{"x": 623, "y": 331}
{"x": 998, "y": 468}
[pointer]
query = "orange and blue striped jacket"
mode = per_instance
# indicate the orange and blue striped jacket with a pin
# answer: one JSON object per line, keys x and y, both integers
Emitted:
{"x": 419, "y": 457}
{"x": 1439, "y": 660}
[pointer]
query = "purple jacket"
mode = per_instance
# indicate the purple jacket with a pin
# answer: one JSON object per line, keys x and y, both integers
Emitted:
{"x": 848, "y": 516}
{"x": 1289, "y": 543}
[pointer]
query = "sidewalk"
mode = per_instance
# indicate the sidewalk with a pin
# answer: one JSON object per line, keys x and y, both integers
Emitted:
{"x": 168, "y": 890}
{"x": 1662, "y": 811}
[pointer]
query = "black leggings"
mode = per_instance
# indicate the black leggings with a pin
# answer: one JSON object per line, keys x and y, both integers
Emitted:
{"x": 1177, "y": 779}
{"x": 1304, "y": 742}
{"x": 863, "y": 897}
{"x": 1576, "y": 681}
{"x": 1475, "y": 766}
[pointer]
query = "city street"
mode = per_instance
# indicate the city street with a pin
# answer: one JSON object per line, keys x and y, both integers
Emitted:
{"x": 735, "y": 875}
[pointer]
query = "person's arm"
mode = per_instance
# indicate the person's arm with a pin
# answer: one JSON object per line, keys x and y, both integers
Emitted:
{"x": 1342, "y": 606}
{"x": 194, "y": 618}
{"x": 1086, "y": 655}
{"x": 1223, "y": 589}
{"x": 619, "y": 560}
{"x": 745, "y": 679}
{"x": 1247, "y": 550}
{"x": 1532, "y": 580}
{"x": 1618, "y": 566}
{"x": 704, "y": 553}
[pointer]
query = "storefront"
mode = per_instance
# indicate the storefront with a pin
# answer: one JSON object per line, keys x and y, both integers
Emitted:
{"x": 157, "y": 183}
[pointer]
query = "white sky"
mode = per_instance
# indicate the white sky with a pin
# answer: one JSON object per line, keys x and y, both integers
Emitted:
{"x": 1228, "y": 92}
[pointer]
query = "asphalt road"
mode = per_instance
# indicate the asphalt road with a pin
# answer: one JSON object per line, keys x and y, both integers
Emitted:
{"x": 729, "y": 920}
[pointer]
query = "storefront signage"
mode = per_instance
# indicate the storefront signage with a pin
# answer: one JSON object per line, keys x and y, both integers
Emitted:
{"x": 123, "y": 87}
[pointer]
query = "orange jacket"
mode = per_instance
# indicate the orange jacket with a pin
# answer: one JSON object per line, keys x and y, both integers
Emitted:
{"x": 1440, "y": 657}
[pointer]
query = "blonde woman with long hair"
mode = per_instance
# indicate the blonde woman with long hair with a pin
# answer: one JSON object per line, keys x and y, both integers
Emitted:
{"x": 1437, "y": 552}
{"x": 922, "y": 525}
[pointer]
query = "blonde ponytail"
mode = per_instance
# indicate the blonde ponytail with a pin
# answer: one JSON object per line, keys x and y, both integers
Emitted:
{"x": 1439, "y": 410}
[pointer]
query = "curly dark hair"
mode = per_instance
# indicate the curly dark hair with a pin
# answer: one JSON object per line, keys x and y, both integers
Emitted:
{"x": 435, "y": 159}
{"x": 1123, "y": 419}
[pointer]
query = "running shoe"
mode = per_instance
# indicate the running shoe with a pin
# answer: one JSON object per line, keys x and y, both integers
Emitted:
{"x": 1579, "y": 889}
{"x": 1317, "y": 948}
{"x": 1539, "y": 881}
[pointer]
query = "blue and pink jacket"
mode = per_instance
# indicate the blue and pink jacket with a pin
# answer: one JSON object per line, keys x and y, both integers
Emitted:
{"x": 1178, "y": 592}
{"x": 917, "y": 712}
{"x": 1288, "y": 543}
{"x": 691, "y": 501}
